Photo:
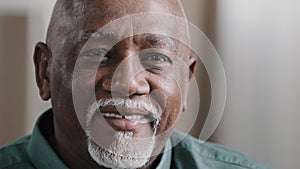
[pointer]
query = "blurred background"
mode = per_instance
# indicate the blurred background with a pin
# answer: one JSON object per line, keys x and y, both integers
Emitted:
{"x": 258, "y": 42}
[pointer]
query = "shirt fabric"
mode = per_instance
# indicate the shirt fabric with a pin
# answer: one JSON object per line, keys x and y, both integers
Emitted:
{"x": 180, "y": 152}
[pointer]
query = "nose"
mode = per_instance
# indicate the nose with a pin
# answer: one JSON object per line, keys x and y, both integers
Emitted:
{"x": 128, "y": 79}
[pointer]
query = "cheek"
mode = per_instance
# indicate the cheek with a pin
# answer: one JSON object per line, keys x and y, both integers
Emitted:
{"x": 170, "y": 115}
{"x": 60, "y": 85}
{"x": 72, "y": 89}
{"x": 62, "y": 101}
{"x": 170, "y": 95}
{"x": 83, "y": 92}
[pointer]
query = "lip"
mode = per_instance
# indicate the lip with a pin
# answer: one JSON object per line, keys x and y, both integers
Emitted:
{"x": 123, "y": 111}
{"x": 125, "y": 124}
{"x": 125, "y": 120}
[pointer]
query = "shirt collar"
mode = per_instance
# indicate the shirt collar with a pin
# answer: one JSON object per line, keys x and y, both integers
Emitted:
{"x": 42, "y": 155}
{"x": 39, "y": 151}
{"x": 166, "y": 158}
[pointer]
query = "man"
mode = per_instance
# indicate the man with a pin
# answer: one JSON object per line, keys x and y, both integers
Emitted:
{"x": 117, "y": 87}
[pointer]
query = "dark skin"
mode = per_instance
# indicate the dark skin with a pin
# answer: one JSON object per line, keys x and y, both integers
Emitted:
{"x": 55, "y": 61}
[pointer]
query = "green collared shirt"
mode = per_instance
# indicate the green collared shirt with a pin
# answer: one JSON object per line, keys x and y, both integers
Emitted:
{"x": 187, "y": 153}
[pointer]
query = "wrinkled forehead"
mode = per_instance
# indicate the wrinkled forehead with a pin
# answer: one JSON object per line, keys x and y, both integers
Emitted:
{"x": 71, "y": 21}
{"x": 159, "y": 27}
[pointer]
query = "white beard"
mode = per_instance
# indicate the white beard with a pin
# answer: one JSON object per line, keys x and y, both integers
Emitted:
{"x": 125, "y": 151}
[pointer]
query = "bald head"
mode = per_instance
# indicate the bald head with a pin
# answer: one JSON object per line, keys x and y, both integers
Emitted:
{"x": 69, "y": 16}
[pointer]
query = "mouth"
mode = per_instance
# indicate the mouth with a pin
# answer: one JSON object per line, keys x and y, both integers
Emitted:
{"x": 127, "y": 120}
{"x": 129, "y": 117}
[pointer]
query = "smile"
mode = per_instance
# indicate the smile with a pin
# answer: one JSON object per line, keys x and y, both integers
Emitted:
{"x": 128, "y": 117}
{"x": 125, "y": 122}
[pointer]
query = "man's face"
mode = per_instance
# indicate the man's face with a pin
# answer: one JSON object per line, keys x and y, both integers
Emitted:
{"x": 123, "y": 87}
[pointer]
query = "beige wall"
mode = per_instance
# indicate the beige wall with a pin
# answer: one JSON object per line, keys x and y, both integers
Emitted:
{"x": 258, "y": 44}
{"x": 22, "y": 24}
{"x": 12, "y": 75}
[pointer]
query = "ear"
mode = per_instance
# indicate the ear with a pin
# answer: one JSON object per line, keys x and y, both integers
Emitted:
{"x": 192, "y": 60}
{"x": 192, "y": 64}
{"x": 41, "y": 60}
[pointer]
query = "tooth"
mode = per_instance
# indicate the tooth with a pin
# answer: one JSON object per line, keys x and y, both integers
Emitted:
{"x": 130, "y": 117}
{"x": 139, "y": 117}
{"x": 111, "y": 115}
{"x": 118, "y": 116}
{"x": 134, "y": 117}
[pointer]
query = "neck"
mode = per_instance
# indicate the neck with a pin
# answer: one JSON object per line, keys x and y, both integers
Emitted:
{"x": 71, "y": 150}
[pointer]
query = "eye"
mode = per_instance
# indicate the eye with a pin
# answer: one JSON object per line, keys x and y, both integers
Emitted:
{"x": 155, "y": 57}
{"x": 101, "y": 56}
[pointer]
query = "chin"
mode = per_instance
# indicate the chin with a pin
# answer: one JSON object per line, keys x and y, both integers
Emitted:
{"x": 125, "y": 151}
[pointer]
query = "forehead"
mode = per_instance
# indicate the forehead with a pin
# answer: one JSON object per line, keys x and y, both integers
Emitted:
{"x": 127, "y": 17}
{"x": 117, "y": 8}
{"x": 112, "y": 37}
{"x": 122, "y": 18}
{"x": 129, "y": 24}
{"x": 153, "y": 28}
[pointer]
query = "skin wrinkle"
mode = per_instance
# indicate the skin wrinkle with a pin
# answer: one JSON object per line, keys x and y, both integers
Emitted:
{"x": 68, "y": 20}
{"x": 150, "y": 40}
{"x": 98, "y": 35}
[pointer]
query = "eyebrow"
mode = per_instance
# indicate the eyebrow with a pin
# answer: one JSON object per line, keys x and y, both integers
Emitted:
{"x": 155, "y": 40}
{"x": 158, "y": 39}
{"x": 98, "y": 35}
